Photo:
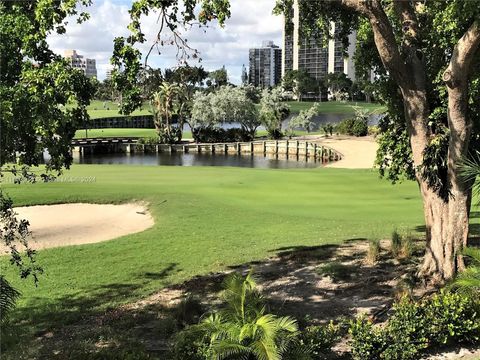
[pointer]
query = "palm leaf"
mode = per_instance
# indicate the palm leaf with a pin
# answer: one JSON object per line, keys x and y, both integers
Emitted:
{"x": 8, "y": 298}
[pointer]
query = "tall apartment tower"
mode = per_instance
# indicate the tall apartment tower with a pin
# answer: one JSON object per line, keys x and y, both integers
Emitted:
{"x": 316, "y": 60}
{"x": 88, "y": 66}
{"x": 265, "y": 65}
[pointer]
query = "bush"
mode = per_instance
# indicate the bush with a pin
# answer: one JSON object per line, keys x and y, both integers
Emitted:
{"x": 318, "y": 340}
{"x": 356, "y": 126}
{"x": 445, "y": 318}
{"x": 192, "y": 345}
{"x": 217, "y": 135}
{"x": 368, "y": 341}
{"x": 337, "y": 271}
{"x": 237, "y": 330}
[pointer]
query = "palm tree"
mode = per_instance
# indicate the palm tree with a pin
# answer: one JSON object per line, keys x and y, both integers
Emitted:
{"x": 469, "y": 279}
{"x": 164, "y": 103}
{"x": 242, "y": 329}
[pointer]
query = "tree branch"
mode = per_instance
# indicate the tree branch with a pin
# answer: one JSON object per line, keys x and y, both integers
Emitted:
{"x": 464, "y": 52}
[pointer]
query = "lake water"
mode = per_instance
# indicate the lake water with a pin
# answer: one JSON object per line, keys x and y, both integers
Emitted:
{"x": 194, "y": 159}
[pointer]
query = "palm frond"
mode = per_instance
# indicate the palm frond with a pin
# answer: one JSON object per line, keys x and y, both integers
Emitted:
{"x": 266, "y": 349}
{"x": 8, "y": 298}
{"x": 227, "y": 348}
{"x": 470, "y": 170}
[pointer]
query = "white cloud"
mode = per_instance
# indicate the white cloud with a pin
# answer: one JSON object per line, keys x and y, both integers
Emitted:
{"x": 251, "y": 23}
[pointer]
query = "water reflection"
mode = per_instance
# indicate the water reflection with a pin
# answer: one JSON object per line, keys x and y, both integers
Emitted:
{"x": 202, "y": 159}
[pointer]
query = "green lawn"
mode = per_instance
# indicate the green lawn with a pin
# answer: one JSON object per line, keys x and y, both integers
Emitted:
{"x": 207, "y": 219}
{"x": 99, "y": 109}
{"x": 141, "y": 133}
{"x": 336, "y": 107}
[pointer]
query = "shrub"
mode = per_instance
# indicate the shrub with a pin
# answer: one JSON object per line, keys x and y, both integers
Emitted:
{"x": 192, "y": 345}
{"x": 318, "y": 340}
{"x": 453, "y": 317}
{"x": 241, "y": 329}
{"x": 337, "y": 271}
{"x": 360, "y": 127}
{"x": 373, "y": 251}
{"x": 396, "y": 243}
{"x": 445, "y": 318}
{"x": 188, "y": 311}
{"x": 368, "y": 341}
{"x": 216, "y": 135}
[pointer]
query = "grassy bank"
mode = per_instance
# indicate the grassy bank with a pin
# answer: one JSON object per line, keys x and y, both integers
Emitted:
{"x": 100, "y": 109}
{"x": 206, "y": 220}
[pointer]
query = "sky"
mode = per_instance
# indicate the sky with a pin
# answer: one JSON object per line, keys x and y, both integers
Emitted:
{"x": 251, "y": 23}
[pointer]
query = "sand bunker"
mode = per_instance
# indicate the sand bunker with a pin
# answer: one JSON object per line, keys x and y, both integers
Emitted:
{"x": 74, "y": 224}
{"x": 358, "y": 153}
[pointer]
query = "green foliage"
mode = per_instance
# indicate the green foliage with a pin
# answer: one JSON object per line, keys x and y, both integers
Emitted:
{"x": 328, "y": 129}
{"x": 8, "y": 298}
{"x": 36, "y": 85}
{"x": 445, "y": 318}
{"x": 337, "y": 271}
{"x": 368, "y": 341}
{"x": 316, "y": 341}
{"x": 304, "y": 120}
{"x": 339, "y": 85}
{"x": 218, "y": 77}
{"x": 402, "y": 246}
{"x": 301, "y": 83}
{"x": 470, "y": 171}
{"x": 394, "y": 157}
{"x": 273, "y": 111}
{"x": 242, "y": 328}
{"x": 224, "y": 105}
{"x": 469, "y": 279}
{"x": 168, "y": 103}
{"x": 353, "y": 127}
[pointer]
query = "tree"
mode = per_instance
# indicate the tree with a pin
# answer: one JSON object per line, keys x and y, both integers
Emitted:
{"x": 273, "y": 111}
{"x": 338, "y": 84}
{"x": 304, "y": 119}
{"x": 166, "y": 105}
{"x": 36, "y": 85}
{"x": 301, "y": 83}
{"x": 225, "y": 105}
{"x": 219, "y": 77}
{"x": 427, "y": 66}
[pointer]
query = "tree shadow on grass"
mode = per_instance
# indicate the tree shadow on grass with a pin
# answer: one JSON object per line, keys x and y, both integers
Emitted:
{"x": 78, "y": 319}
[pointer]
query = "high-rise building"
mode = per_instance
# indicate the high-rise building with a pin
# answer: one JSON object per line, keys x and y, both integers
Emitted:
{"x": 265, "y": 65}
{"x": 307, "y": 54}
{"x": 88, "y": 66}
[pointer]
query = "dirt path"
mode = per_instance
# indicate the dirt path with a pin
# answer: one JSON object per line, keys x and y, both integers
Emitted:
{"x": 74, "y": 224}
{"x": 358, "y": 152}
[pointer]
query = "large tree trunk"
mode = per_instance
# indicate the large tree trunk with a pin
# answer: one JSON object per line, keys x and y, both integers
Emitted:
{"x": 446, "y": 233}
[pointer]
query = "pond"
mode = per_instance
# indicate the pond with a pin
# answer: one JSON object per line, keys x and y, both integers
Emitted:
{"x": 201, "y": 159}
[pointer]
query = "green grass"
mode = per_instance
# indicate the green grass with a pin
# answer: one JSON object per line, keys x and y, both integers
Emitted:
{"x": 335, "y": 107}
{"x": 115, "y": 132}
{"x": 102, "y": 109}
{"x": 206, "y": 220}
{"x": 98, "y": 109}
{"x": 141, "y": 133}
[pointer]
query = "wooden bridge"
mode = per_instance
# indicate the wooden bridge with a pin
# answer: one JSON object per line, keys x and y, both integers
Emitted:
{"x": 286, "y": 148}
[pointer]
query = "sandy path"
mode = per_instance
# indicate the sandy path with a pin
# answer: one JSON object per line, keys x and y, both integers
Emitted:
{"x": 358, "y": 152}
{"x": 74, "y": 224}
